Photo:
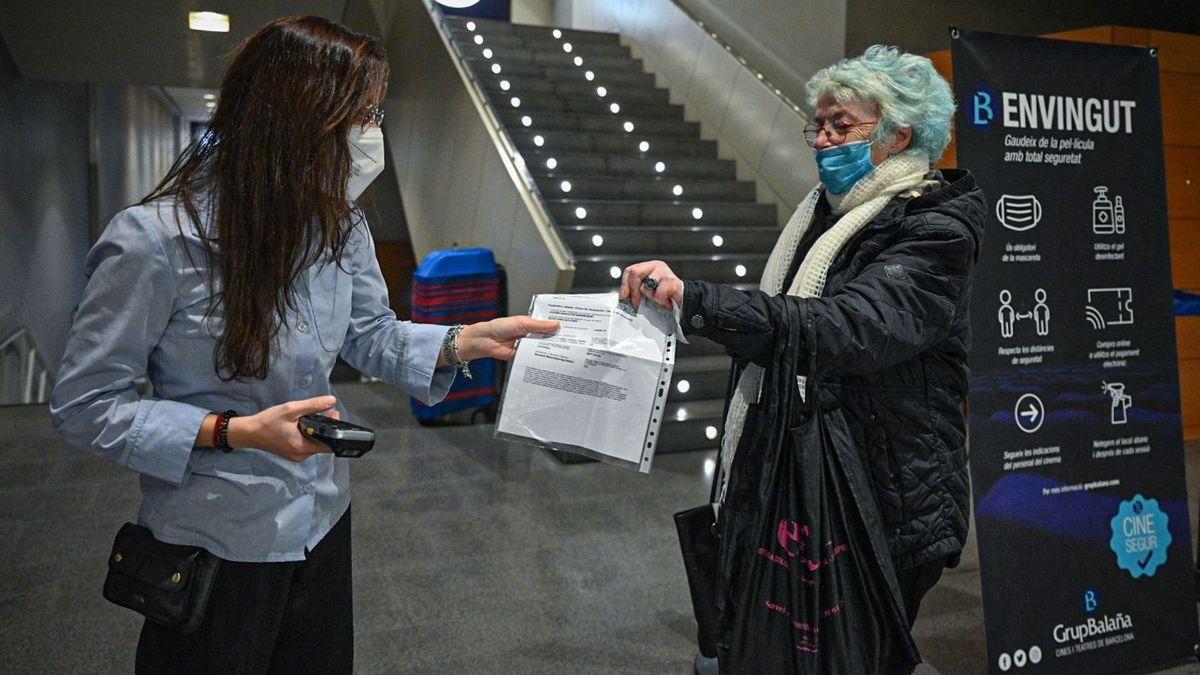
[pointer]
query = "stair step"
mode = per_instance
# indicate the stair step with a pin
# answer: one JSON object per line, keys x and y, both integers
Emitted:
{"x": 579, "y": 211}
{"x": 579, "y": 59}
{"x": 603, "y": 123}
{"x": 698, "y": 430}
{"x": 516, "y": 46}
{"x": 541, "y": 104}
{"x": 625, "y": 165}
{"x": 598, "y": 270}
{"x": 656, "y": 189}
{"x": 610, "y": 77}
{"x": 527, "y": 86}
{"x": 688, "y": 240}
{"x": 613, "y": 144}
{"x": 487, "y": 26}
{"x": 699, "y": 379}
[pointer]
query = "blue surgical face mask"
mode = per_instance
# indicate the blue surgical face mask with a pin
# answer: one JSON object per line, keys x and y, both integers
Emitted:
{"x": 841, "y": 166}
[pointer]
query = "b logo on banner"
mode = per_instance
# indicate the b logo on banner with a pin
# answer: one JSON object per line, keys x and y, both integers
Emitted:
{"x": 980, "y": 105}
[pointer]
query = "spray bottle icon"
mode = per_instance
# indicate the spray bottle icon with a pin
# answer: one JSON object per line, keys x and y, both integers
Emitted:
{"x": 1120, "y": 401}
{"x": 1119, "y": 216}
{"x": 1102, "y": 212}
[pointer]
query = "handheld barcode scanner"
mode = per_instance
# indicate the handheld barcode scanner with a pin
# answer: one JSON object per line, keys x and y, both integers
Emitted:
{"x": 343, "y": 438}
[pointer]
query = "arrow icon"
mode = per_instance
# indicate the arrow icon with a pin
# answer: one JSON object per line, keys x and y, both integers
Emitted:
{"x": 1029, "y": 413}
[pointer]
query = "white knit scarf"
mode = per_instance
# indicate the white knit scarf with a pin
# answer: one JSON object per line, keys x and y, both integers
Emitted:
{"x": 855, "y": 209}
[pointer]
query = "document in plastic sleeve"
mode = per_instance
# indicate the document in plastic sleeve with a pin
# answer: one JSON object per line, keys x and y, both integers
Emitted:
{"x": 598, "y": 386}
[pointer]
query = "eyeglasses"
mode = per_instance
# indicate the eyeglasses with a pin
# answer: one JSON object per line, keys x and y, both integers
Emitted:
{"x": 835, "y": 131}
{"x": 373, "y": 114}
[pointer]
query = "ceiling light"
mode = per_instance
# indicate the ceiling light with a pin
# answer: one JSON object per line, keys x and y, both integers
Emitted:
{"x": 209, "y": 22}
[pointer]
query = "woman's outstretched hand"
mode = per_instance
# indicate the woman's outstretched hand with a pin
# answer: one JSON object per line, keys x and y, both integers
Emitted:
{"x": 669, "y": 288}
{"x": 497, "y": 339}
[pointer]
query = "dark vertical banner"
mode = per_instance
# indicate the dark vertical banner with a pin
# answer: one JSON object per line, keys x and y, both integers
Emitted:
{"x": 1076, "y": 444}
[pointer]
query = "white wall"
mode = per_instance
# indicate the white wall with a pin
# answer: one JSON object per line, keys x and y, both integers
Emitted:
{"x": 750, "y": 122}
{"x": 533, "y": 12}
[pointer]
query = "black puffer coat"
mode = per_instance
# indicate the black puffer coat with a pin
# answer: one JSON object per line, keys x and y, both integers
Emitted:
{"x": 891, "y": 334}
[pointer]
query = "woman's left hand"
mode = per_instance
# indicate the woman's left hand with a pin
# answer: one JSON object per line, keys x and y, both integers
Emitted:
{"x": 669, "y": 289}
{"x": 496, "y": 339}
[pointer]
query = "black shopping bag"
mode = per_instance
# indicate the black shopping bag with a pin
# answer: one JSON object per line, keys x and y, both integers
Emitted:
{"x": 807, "y": 584}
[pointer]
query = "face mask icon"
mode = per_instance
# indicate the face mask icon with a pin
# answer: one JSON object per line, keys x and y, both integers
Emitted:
{"x": 1019, "y": 212}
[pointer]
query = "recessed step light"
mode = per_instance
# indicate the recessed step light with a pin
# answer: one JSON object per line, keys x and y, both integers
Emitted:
{"x": 579, "y": 60}
{"x": 566, "y": 186}
{"x": 597, "y": 240}
{"x": 660, "y": 167}
{"x": 697, "y": 213}
{"x": 677, "y": 190}
{"x": 471, "y": 26}
{"x": 614, "y": 272}
{"x": 526, "y": 120}
{"x": 478, "y": 39}
{"x": 683, "y": 386}
{"x": 551, "y": 163}
{"x": 628, "y": 126}
{"x": 538, "y": 140}
{"x": 601, "y": 92}
{"x": 740, "y": 270}
{"x": 718, "y": 240}
{"x": 615, "y": 108}
{"x": 504, "y": 85}
{"x": 496, "y": 68}
{"x": 487, "y": 53}
{"x": 567, "y": 47}
{"x": 710, "y": 432}
{"x": 580, "y": 213}
{"x": 589, "y": 76}
{"x": 644, "y": 146}
{"x": 556, "y": 33}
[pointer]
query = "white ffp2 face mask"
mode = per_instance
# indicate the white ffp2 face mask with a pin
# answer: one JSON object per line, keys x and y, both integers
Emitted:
{"x": 366, "y": 149}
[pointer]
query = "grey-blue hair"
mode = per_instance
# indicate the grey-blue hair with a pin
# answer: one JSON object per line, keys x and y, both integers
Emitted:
{"x": 907, "y": 88}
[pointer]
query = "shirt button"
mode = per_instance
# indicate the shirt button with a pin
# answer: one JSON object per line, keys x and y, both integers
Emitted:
{"x": 697, "y": 321}
{"x": 309, "y": 488}
{"x": 303, "y": 327}
{"x": 305, "y": 381}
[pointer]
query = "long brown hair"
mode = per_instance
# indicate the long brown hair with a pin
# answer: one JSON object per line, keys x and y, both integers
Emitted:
{"x": 270, "y": 174}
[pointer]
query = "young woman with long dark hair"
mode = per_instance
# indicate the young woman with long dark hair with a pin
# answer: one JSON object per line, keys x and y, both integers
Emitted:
{"x": 234, "y": 287}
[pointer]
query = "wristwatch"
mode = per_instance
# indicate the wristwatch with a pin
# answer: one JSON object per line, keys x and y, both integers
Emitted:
{"x": 450, "y": 351}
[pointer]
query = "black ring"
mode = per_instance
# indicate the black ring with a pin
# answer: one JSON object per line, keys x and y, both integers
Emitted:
{"x": 651, "y": 283}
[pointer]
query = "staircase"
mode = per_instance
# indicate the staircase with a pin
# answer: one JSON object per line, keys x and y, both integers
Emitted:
{"x": 625, "y": 179}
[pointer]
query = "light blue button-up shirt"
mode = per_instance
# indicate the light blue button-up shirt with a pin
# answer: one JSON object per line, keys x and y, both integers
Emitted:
{"x": 144, "y": 312}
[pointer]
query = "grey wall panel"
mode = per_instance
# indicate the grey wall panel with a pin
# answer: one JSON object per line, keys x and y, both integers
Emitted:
{"x": 43, "y": 209}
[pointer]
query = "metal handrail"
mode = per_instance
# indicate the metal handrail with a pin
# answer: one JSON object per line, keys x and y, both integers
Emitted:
{"x": 33, "y": 375}
{"x": 526, "y": 186}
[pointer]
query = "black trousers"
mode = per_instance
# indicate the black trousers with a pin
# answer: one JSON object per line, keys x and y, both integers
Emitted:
{"x": 287, "y": 617}
{"x": 915, "y": 582}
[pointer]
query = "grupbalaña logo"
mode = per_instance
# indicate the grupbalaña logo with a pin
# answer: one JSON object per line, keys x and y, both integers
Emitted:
{"x": 1095, "y": 631}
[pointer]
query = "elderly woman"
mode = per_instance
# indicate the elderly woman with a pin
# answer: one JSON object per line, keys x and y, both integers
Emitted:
{"x": 878, "y": 262}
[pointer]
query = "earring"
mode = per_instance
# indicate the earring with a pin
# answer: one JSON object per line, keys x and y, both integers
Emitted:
{"x": 891, "y": 153}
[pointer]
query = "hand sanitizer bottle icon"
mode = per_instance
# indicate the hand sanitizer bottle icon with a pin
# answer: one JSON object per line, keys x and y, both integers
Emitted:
{"x": 1102, "y": 212}
{"x": 1119, "y": 216}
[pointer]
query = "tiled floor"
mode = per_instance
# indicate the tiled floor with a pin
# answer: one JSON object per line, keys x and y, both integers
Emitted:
{"x": 471, "y": 555}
